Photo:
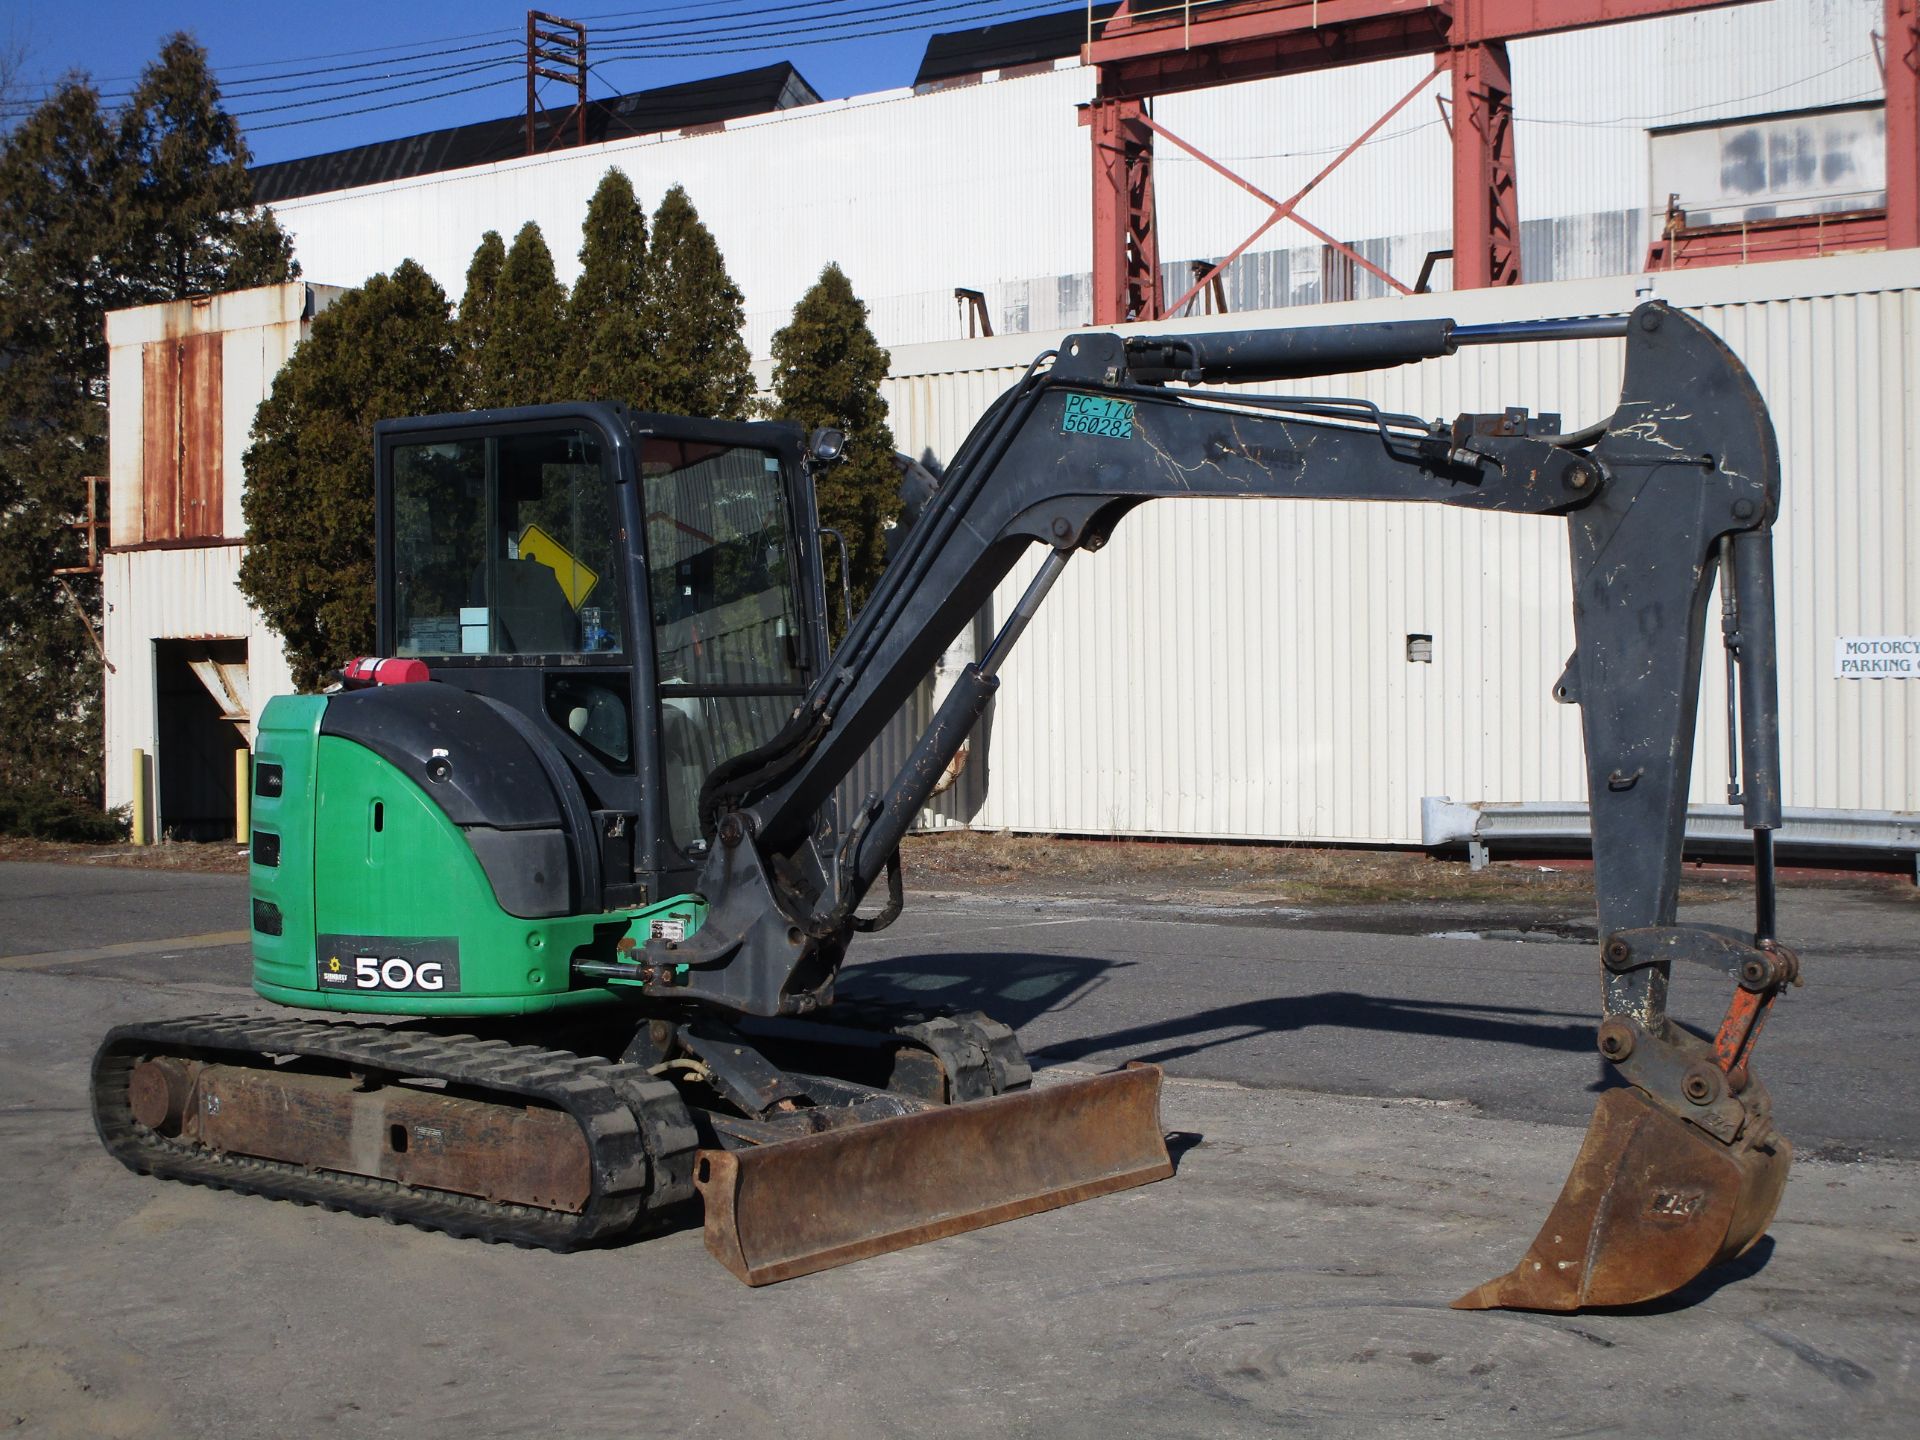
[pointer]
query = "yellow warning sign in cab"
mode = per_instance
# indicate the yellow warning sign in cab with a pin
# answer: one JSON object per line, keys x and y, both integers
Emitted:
{"x": 575, "y": 579}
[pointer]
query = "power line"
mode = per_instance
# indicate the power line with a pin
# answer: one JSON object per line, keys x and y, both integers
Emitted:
{"x": 777, "y": 38}
{"x": 677, "y": 39}
{"x": 669, "y": 48}
{"x": 369, "y": 109}
{"x": 471, "y": 69}
{"x": 231, "y": 94}
{"x": 438, "y": 48}
{"x": 814, "y": 11}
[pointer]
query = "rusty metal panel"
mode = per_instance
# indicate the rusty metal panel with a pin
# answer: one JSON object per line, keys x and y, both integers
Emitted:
{"x": 201, "y": 458}
{"x": 182, "y": 463}
{"x": 160, "y": 441}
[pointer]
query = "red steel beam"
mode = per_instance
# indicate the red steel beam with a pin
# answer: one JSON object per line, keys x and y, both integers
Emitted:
{"x": 1280, "y": 212}
{"x": 1126, "y": 249}
{"x": 1162, "y": 47}
{"x": 1903, "y": 122}
{"x": 1486, "y": 200}
{"x": 1283, "y": 210}
{"x": 1484, "y": 20}
{"x": 1225, "y": 50}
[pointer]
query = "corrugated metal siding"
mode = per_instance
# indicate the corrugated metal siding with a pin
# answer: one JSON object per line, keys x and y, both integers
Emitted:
{"x": 183, "y": 594}
{"x": 1230, "y": 669}
{"x": 987, "y": 186}
{"x": 244, "y": 337}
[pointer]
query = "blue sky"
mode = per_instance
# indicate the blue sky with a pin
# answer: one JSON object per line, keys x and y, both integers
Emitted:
{"x": 273, "y": 58}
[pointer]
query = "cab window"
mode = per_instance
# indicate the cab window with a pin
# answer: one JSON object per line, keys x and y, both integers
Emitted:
{"x": 506, "y": 545}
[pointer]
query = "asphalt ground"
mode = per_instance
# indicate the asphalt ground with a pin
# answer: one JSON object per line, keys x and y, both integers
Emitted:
{"x": 1375, "y": 1109}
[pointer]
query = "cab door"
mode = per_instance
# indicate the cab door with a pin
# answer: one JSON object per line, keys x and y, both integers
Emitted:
{"x": 735, "y": 596}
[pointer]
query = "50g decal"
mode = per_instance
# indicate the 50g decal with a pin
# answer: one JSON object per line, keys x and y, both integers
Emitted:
{"x": 397, "y": 972}
{"x": 388, "y": 964}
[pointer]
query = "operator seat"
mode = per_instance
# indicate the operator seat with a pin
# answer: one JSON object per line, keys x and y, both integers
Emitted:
{"x": 531, "y": 610}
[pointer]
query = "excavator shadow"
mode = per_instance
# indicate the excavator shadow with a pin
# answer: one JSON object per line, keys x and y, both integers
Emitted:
{"x": 1020, "y": 988}
{"x": 1015, "y": 989}
{"x": 1703, "y": 1285}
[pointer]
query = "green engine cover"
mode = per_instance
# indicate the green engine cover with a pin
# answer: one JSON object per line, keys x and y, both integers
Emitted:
{"x": 367, "y": 898}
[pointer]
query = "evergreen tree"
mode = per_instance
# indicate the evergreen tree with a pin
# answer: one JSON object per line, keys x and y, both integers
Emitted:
{"x": 608, "y": 354}
{"x": 519, "y": 362}
{"x": 692, "y": 318}
{"x": 827, "y": 369}
{"x": 186, "y": 221}
{"x": 96, "y": 212}
{"x": 475, "y": 323}
{"x": 56, "y": 219}
{"x": 309, "y": 508}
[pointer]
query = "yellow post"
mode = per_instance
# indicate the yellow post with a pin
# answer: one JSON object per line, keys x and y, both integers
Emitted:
{"x": 242, "y": 798}
{"x": 141, "y": 834}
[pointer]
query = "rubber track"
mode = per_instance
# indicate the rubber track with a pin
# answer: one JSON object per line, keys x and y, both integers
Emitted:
{"x": 982, "y": 1057}
{"x": 639, "y": 1136}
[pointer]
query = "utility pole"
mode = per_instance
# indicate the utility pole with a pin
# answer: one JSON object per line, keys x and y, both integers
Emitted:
{"x": 553, "y": 42}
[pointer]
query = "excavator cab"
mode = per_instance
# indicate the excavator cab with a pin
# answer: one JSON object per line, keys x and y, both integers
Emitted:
{"x": 643, "y": 590}
{"x": 607, "y": 604}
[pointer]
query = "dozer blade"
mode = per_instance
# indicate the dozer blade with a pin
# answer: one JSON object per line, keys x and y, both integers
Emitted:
{"x": 809, "y": 1204}
{"x": 1652, "y": 1202}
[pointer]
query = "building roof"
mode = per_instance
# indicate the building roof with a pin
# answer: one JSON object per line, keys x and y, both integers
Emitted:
{"x": 686, "y": 106}
{"x": 1039, "y": 39}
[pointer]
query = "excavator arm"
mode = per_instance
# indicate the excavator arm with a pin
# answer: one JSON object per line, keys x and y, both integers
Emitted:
{"x": 1681, "y": 1166}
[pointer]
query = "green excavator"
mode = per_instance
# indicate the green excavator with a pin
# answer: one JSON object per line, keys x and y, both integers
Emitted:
{"x": 575, "y": 853}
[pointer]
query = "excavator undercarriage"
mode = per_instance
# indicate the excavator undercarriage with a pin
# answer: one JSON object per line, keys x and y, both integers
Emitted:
{"x": 578, "y": 856}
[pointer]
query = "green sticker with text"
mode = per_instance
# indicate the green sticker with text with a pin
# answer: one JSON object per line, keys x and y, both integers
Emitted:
{"x": 1098, "y": 415}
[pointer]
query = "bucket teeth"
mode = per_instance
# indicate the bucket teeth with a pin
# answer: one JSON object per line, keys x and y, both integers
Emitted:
{"x": 797, "y": 1206}
{"x": 1651, "y": 1202}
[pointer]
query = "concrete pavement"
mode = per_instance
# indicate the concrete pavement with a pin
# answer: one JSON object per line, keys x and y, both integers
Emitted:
{"x": 1387, "y": 1132}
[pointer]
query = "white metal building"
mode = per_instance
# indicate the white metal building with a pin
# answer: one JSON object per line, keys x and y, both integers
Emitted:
{"x": 188, "y": 663}
{"x": 1221, "y": 669}
{"x": 987, "y": 185}
{"x": 1235, "y": 669}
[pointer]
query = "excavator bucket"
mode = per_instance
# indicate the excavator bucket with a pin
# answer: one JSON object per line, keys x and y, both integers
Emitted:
{"x": 822, "y": 1200}
{"x": 1652, "y": 1202}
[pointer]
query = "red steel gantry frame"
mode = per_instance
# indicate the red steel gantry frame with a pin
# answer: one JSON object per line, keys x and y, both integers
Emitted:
{"x": 1164, "y": 47}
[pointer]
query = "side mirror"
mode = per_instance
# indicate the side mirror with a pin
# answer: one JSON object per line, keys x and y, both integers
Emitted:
{"x": 826, "y": 446}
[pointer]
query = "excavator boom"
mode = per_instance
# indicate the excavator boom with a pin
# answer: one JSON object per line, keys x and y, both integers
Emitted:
{"x": 1681, "y": 484}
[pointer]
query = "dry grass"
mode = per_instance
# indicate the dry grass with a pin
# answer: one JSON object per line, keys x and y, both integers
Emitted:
{"x": 1303, "y": 874}
{"x": 1316, "y": 874}
{"x": 1226, "y": 874}
{"x": 215, "y": 858}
